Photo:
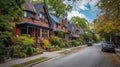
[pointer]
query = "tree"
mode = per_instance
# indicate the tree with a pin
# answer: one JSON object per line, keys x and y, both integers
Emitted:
{"x": 107, "y": 22}
{"x": 82, "y": 22}
{"x": 56, "y": 7}
{"x": 10, "y": 12}
{"x": 110, "y": 16}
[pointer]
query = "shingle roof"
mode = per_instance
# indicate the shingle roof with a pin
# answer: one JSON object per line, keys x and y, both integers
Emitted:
{"x": 69, "y": 26}
{"x": 38, "y": 7}
{"x": 29, "y": 7}
{"x": 56, "y": 19}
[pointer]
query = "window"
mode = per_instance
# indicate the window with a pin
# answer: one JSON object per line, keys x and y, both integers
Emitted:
{"x": 44, "y": 33}
{"x": 27, "y": 14}
{"x": 23, "y": 31}
{"x": 42, "y": 17}
{"x": 37, "y": 32}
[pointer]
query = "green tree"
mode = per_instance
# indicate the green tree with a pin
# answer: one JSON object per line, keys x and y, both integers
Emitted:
{"x": 107, "y": 24}
{"x": 10, "y": 12}
{"x": 56, "y": 7}
{"x": 82, "y": 22}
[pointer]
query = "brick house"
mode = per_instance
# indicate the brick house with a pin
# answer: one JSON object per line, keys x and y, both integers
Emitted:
{"x": 58, "y": 25}
{"x": 74, "y": 31}
{"x": 36, "y": 23}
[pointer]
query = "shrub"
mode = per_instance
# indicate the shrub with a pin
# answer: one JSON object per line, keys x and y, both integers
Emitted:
{"x": 60, "y": 34}
{"x": 54, "y": 48}
{"x": 46, "y": 43}
{"x": 29, "y": 51}
{"x": 26, "y": 40}
{"x": 24, "y": 44}
{"x": 74, "y": 43}
{"x": 22, "y": 54}
{"x": 55, "y": 40}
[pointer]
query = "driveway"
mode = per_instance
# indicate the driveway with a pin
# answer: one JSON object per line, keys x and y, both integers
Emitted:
{"x": 88, "y": 57}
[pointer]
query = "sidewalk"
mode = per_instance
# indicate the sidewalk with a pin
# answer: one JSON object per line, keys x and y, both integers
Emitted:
{"x": 118, "y": 51}
{"x": 45, "y": 54}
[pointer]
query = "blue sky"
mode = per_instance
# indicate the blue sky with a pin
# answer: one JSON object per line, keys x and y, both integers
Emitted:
{"x": 83, "y": 8}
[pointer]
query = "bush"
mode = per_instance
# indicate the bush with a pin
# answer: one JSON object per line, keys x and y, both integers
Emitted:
{"x": 54, "y": 40}
{"x": 24, "y": 44}
{"x": 22, "y": 55}
{"x": 60, "y": 34}
{"x": 54, "y": 48}
{"x": 26, "y": 40}
{"x": 74, "y": 43}
{"x": 46, "y": 43}
{"x": 29, "y": 51}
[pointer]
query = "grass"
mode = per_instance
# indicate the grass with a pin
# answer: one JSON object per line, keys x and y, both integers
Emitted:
{"x": 71, "y": 51}
{"x": 63, "y": 52}
{"x": 29, "y": 62}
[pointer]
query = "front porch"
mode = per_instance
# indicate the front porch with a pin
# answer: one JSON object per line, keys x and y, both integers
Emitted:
{"x": 38, "y": 32}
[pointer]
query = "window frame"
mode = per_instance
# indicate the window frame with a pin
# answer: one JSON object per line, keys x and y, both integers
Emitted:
{"x": 44, "y": 33}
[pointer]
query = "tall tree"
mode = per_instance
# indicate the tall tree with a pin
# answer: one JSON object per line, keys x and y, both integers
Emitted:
{"x": 107, "y": 22}
{"x": 10, "y": 12}
{"x": 56, "y": 7}
{"x": 110, "y": 16}
{"x": 82, "y": 22}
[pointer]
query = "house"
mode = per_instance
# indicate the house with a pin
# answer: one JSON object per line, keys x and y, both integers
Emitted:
{"x": 59, "y": 25}
{"x": 74, "y": 32}
{"x": 36, "y": 23}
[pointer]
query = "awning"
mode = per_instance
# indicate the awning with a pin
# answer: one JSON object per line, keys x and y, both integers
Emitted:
{"x": 21, "y": 24}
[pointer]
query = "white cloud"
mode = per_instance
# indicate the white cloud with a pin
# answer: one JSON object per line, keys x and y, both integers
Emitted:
{"x": 80, "y": 5}
{"x": 75, "y": 13}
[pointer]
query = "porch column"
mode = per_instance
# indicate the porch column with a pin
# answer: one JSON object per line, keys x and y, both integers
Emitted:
{"x": 27, "y": 32}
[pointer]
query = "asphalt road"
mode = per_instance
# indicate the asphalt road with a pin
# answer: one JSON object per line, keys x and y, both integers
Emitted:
{"x": 88, "y": 57}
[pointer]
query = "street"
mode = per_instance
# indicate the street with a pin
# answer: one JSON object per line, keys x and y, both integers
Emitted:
{"x": 88, "y": 57}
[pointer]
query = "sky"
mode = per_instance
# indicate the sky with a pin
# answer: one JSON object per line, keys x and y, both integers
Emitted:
{"x": 84, "y": 9}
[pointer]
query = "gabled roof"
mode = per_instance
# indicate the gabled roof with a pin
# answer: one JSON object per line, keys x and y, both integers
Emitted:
{"x": 29, "y": 7}
{"x": 69, "y": 26}
{"x": 56, "y": 19}
{"x": 38, "y": 7}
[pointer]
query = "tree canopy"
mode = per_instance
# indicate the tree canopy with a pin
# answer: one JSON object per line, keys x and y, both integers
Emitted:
{"x": 82, "y": 22}
{"x": 109, "y": 20}
{"x": 56, "y": 7}
{"x": 10, "y": 11}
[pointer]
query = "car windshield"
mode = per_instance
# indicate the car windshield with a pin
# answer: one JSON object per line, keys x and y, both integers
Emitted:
{"x": 108, "y": 42}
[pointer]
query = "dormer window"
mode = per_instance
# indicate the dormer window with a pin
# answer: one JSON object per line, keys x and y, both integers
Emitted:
{"x": 27, "y": 14}
{"x": 42, "y": 17}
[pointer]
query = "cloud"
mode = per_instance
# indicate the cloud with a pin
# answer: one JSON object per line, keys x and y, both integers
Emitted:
{"x": 84, "y": 9}
{"x": 75, "y": 13}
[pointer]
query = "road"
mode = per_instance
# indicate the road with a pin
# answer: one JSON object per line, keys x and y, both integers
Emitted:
{"x": 88, "y": 57}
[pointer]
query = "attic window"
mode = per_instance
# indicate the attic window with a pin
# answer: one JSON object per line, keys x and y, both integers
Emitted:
{"x": 27, "y": 14}
{"x": 42, "y": 17}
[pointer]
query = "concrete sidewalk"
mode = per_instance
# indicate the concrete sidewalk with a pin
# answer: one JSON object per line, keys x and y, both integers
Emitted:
{"x": 45, "y": 54}
{"x": 118, "y": 51}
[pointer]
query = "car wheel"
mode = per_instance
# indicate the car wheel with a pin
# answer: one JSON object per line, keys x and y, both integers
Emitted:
{"x": 113, "y": 51}
{"x": 102, "y": 50}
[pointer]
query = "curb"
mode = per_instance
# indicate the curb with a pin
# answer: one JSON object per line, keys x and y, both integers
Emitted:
{"x": 118, "y": 54}
{"x": 29, "y": 65}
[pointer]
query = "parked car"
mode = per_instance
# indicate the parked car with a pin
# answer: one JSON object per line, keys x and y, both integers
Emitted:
{"x": 108, "y": 47}
{"x": 89, "y": 43}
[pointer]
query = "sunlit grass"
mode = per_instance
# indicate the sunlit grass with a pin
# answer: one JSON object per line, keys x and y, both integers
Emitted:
{"x": 29, "y": 62}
